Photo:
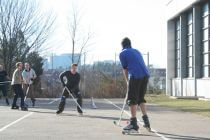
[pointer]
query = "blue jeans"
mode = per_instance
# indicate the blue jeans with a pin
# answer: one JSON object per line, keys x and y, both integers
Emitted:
{"x": 65, "y": 95}
{"x": 3, "y": 89}
{"x": 18, "y": 93}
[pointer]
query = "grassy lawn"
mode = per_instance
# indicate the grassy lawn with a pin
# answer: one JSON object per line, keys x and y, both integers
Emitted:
{"x": 194, "y": 106}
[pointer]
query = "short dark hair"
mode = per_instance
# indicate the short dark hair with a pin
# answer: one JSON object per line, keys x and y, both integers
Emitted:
{"x": 126, "y": 43}
{"x": 74, "y": 64}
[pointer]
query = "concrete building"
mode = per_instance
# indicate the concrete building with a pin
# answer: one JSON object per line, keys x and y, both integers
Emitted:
{"x": 188, "y": 48}
{"x": 60, "y": 62}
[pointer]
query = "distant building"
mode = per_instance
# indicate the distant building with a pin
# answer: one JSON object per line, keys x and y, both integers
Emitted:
{"x": 106, "y": 62}
{"x": 188, "y": 48}
{"x": 60, "y": 62}
{"x": 157, "y": 78}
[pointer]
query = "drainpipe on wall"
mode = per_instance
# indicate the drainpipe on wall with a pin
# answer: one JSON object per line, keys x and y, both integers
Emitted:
{"x": 195, "y": 86}
{"x": 181, "y": 86}
{"x": 171, "y": 88}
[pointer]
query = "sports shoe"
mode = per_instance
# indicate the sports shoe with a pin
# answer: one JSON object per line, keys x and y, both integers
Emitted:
{"x": 146, "y": 122}
{"x": 33, "y": 102}
{"x": 59, "y": 112}
{"x": 132, "y": 125}
{"x": 15, "y": 107}
{"x": 24, "y": 108}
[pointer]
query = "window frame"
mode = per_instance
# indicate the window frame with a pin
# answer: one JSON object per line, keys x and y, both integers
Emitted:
{"x": 205, "y": 40}
{"x": 177, "y": 48}
{"x": 190, "y": 46}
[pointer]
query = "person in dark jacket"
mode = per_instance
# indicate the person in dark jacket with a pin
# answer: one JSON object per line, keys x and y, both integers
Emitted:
{"x": 71, "y": 81}
{"x": 4, "y": 83}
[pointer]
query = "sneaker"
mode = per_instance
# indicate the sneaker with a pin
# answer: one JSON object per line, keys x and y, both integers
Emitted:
{"x": 61, "y": 106}
{"x": 59, "y": 112}
{"x": 33, "y": 102}
{"x": 132, "y": 125}
{"x": 15, "y": 107}
{"x": 146, "y": 122}
{"x": 79, "y": 110}
{"x": 24, "y": 108}
{"x": 80, "y": 113}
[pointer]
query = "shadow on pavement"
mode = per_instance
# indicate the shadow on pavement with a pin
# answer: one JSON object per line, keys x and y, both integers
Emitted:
{"x": 85, "y": 115}
{"x": 182, "y": 137}
{"x": 143, "y": 135}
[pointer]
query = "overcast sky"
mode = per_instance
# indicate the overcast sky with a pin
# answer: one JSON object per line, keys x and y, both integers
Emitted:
{"x": 143, "y": 21}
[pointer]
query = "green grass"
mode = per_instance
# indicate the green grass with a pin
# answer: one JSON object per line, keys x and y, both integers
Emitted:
{"x": 186, "y": 105}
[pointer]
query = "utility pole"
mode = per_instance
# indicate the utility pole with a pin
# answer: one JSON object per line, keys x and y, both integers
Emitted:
{"x": 52, "y": 75}
{"x": 115, "y": 75}
{"x": 99, "y": 79}
{"x": 147, "y": 54}
{"x": 148, "y": 60}
{"x": 148, "y": 66}
{"x": 84, "y": 73}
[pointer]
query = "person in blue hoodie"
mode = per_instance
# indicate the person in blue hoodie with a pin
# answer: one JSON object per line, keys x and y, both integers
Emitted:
{"x": 136, "y": 75}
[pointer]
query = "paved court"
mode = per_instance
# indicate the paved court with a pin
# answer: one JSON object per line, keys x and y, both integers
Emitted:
{"x": 41, "y": 123}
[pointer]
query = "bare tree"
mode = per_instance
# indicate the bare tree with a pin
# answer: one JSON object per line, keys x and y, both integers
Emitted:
{"x": 80, "y": 38}
{"x": 100, "y": 81}
{"x": 23, "y": 29}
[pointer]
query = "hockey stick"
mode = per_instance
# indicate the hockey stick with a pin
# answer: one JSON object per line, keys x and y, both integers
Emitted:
{"x": 122, "y": 111}
{"x": 73, "y": 98}
{"x": 27, "y": 92}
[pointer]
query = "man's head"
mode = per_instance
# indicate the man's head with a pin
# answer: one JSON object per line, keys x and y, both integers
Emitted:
{"x": 74, "y": 68}
{"x": 1, "y": 68}
{"x": 126, "y": 43}
{"x": 19, "y": 65}
{"x": 27, "y": 66}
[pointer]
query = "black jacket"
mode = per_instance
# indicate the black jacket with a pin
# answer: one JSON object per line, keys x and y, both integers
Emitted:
{"x": 72, "y": 80}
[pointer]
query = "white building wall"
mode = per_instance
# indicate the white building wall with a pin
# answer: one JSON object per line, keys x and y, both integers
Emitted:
{"x": 176, "y": 87}
{"x": 170, "y": 71}
{"x": 188, "y": 87}
{"x": 175, "y": 7}
{"x": 182, "y": 86}
{"x": 203, "y": 86}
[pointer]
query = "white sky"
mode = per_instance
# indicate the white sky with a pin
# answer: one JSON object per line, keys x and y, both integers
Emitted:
{"x": 143, "y": 21}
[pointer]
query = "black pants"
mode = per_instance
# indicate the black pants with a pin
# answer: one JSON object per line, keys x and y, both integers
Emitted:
{"x": 18, "y": 93}
{"x": 3, "y": 89}
{"x": 136, "y": 91}
{"x": 65, "y": 95}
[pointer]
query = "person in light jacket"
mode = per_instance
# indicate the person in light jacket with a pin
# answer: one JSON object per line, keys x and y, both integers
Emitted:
{"x": 29, "y": 76}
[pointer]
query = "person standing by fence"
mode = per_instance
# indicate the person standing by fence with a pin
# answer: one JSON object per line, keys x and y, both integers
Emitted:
{"x": 17, "y": 87}
{"x": 29, "y": 76}
{"x": 4, "y": 83}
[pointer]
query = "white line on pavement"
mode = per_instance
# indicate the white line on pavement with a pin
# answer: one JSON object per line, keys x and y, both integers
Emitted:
{"x": 5, "y": 127}
{"x": 153, "y": 130}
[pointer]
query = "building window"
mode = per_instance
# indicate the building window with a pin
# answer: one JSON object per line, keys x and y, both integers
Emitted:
{"x": 205, "y": 41}
{"x": 177, "y": 47}
{"x": 190, "y": 45}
